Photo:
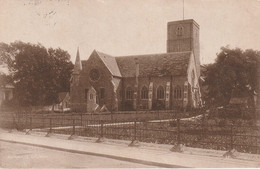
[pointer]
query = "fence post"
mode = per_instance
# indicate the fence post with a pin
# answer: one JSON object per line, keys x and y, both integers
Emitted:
{"x": 257, "y": 147}
{"x": 135, "y": 130}
{"x": 178, "y": 147}
{"x": 18, "y": 121}
{"x": 13, "y": 124}
{"x": 50, "y": 131}
{"x": 101, "y": 134}
{"x": 26, "y": 122}
{"x": 50, "y": 125}
{"x": 31, "y": 123}
{"x": 178, "y": 132}
{"x": 43, "y": 120}
{"x": 232, "y": 152}
{"x": 231, "y": 139}
{"x": 134, "y": 142}
{"x": 81, "y": 119}
{"x": 73, "y": 135}
{"x": 28, "y": 132}
{"x": 101, "y": 138}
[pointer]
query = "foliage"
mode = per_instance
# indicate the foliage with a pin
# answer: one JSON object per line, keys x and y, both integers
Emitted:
{"x": 38, "y": 73}
{"x": 5, "y": 79}
{"x": 233, "y": 70}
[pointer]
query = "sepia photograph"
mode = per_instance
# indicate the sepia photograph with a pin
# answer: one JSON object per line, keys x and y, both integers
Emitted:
{"x": 130, "y": 84}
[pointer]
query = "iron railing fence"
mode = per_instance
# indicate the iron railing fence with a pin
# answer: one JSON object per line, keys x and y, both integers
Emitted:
{"x": 192, "y": 133}
{"x": 22, "y": 117}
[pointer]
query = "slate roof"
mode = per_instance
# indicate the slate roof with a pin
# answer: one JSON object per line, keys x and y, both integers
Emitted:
{"x": 164, "y": 64}
{"x": 110, "y": 62}
{"x": 155, "y": 64}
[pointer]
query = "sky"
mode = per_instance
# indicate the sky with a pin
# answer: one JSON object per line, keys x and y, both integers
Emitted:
{"x": 128, "y": 27}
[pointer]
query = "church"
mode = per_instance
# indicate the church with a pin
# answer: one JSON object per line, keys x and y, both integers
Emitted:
{"x": 163, "y": 81}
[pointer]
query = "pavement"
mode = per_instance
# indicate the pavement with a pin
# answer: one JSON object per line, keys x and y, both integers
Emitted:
{"x": 15, "y": 155}
{"x": 149, "y": 154}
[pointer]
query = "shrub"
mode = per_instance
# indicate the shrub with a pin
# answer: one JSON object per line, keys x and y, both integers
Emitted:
{"x": 222, "y": 123}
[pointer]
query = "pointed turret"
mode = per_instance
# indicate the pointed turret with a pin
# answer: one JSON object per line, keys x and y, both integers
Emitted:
{"x": 77, "y": 66}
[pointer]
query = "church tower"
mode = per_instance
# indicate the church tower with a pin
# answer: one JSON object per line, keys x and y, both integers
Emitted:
{"x": 183, "y": 36}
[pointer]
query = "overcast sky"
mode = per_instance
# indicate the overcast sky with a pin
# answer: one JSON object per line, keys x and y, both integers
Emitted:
{"x": 128, "y": 27}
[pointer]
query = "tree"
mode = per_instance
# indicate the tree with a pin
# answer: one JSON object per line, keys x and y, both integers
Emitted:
{"x": 62, "y": 68}
{"x": 38, "y": 74}
{"x": 233, "y": 70}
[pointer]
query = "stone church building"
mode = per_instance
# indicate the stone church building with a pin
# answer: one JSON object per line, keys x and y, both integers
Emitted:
{"x": 141, "y": 82}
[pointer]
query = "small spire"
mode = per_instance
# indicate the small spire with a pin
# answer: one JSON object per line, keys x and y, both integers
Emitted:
{"x": 78, "y": 65}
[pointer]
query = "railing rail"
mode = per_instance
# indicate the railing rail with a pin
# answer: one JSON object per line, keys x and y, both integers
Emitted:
{"x": 174, "y": 130}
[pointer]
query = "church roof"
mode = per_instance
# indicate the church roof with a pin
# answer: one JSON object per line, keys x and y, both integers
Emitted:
{"x": 164, "y": 64}
{"x": 155, "y": 64}
{"x": 110, "y": 63}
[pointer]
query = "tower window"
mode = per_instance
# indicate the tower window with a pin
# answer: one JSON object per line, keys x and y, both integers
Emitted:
{"x": 144, "y": 93}
{"x": 160, "y": 92}
{"x": 177, "y": 92}
{"x": 179, "y": 31}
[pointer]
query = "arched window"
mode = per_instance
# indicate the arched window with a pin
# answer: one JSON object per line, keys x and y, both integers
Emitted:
{"x": 144, "y": 93}
{"x": 177, "y": 92}
{"x": 129, "y": 93}
{"x": 160, "y": 92}
{"x": 91, "y": 97}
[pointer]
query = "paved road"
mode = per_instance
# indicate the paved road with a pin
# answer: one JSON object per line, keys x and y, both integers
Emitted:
{"x": 15, "y": 155}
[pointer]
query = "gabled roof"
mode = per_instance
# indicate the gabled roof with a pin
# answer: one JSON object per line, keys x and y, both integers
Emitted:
{"x": 164, "y": 64}
{"x": 110, "y": 63}
{"x": 155, "y": 64}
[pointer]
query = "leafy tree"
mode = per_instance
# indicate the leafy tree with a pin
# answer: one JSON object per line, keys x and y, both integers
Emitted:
{"x": 233, "y": 70}
{"x": 38, "y": 73}
{"x": 62, "y": 68}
